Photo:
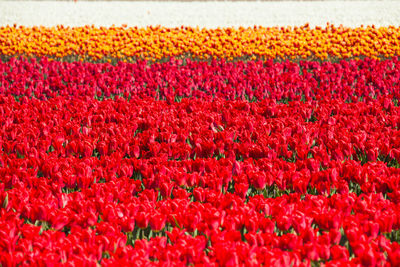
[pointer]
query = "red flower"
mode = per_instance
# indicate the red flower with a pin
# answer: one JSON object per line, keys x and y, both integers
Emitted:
{"x": 166, "y": 189}
{"x": 157, "y": 222}
{"x": 339, "y": 253}
{"x": 142, "y": 219}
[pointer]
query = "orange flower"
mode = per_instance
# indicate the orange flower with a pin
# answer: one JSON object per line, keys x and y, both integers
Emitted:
{"x": 158, "y": 42}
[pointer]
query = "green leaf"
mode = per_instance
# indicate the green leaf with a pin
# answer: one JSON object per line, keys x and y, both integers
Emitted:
{"x": 176, "y": 222}
{"x": 5, "y": 202}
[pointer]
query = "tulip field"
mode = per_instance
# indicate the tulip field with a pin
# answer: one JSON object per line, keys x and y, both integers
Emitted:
{"x": 129, "y": 146}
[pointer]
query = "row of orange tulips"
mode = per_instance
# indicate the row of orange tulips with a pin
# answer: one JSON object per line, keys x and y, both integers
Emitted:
{"x": 155, "y": 43}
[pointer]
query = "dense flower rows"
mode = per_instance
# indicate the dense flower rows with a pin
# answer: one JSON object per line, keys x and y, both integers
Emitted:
{"x": 352, "y": 80}
{"x": 155, "y": 43}
{"x": 171, "y": 160}
{"x": 222, "y": 182}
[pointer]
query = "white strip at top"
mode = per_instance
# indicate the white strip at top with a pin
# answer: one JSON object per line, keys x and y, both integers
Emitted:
{"x": 201, "y": 14}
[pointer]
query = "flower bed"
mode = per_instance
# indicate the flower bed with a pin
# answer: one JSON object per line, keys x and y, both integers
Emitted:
{"x": 352, "y": 80}
{"x": 157, "y": 43}
{"x": 189, "y": 162}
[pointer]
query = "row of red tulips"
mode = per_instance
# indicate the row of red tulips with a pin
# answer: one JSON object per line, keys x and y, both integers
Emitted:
{"x": 60, "y": 136}
{"x": 199, "y": 182}
{"x": 253, "y": 80}
{"x": 95, "y": 226}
